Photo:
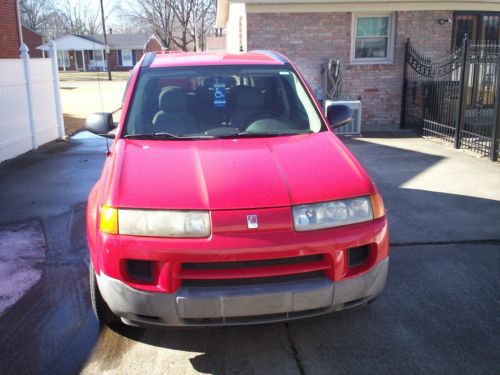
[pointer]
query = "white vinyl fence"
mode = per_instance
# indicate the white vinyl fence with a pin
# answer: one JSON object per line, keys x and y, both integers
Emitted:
{"x": 30, "y": 105}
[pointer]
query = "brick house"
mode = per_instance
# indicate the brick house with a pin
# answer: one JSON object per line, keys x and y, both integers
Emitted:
{"x": 10, "y": 34}
{"x": 368, "y": 36}
{"x": 86, "y": 52}
{"x": 32, "y": 39}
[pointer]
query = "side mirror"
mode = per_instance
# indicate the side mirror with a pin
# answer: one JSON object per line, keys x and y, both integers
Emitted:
{"x": 100, "y": 123}
{"x": 339, "y": 115}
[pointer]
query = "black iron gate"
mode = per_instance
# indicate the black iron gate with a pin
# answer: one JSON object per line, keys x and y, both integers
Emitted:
{"x": 455, "y": 98}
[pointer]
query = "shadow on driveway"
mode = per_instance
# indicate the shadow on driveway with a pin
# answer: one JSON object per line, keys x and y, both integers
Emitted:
{"x": 439, "y": 312}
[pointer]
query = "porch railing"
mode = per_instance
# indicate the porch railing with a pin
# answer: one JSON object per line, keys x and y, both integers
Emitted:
{"x": 97, "y": 65}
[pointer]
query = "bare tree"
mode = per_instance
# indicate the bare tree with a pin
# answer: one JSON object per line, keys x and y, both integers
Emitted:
{"x": 176, "y": 22}
{"x": 36, "y": 14}
{"x": 79, "y": 17}
{"x": 202, "y": 22}
{"x": 183, "y": 13}
{"x": 158, "y": 15}
{"x": 53, "y": 28}
{"x": 129, "y": 24}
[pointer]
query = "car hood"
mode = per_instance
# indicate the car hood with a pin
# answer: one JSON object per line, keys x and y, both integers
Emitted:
{"x": 233, "y": 173}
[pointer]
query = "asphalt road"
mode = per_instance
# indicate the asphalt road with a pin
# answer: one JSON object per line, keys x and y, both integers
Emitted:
{"x": 438, "y": 314}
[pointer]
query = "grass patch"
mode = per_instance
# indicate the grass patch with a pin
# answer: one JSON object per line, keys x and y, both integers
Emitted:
{"x": 92, "y": 76}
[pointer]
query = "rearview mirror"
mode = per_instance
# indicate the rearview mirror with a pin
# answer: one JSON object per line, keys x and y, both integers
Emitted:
{"x": 339, "y": 115}
{"x": 99, "y": 123}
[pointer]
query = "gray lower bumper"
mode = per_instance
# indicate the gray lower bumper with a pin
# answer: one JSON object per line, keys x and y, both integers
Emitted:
{"x": 242, "y": 304}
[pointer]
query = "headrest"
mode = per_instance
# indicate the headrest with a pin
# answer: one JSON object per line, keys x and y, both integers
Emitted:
{"x": 173, "y": 98}
{"x": 246, "y": 97}
{"x": 204, "y": 95}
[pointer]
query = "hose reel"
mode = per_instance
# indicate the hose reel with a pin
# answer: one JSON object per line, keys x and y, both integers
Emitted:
{"x": 332, "y": 79}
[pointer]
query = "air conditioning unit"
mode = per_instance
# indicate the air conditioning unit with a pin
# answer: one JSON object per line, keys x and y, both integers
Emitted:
{"x": 355, "y": 126}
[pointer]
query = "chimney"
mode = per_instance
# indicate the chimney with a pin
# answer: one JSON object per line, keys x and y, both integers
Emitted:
{"x": 110, "y": 31}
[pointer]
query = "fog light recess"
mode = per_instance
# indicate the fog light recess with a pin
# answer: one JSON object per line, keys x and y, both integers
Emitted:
{"x": 139, "y": 270}
{"x": 356, "y": 256}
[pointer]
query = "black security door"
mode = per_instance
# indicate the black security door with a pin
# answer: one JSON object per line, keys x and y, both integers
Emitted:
{"x": 477, "y": 26}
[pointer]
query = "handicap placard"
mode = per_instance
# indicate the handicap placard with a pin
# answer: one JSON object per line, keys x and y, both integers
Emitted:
{"x": 219, "y": 95}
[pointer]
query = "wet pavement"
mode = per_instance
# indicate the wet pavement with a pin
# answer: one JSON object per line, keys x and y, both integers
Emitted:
{"x": 438, "y": 314}
{"x": 51, "y": 329}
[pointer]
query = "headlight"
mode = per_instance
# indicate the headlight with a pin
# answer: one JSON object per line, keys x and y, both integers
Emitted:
{"x": 332, "y": 214}
{"x": 161, "y": 223}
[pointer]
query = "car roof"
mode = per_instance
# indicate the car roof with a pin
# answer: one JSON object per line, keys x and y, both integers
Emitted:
{"x": 168, "y": 59}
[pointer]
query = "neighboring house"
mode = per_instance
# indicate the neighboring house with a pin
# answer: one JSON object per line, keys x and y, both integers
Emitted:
{"x": 10, "y": 33}
{"x": 86, "y": 52}
{"x": 368, "y": 36}
{"x": 32, "y": 39}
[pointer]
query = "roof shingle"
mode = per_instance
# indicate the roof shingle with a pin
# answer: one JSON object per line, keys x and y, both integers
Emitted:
{"x": 119, "y": 41}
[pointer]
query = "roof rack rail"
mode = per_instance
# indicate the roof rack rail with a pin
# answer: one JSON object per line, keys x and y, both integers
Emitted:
{"x": 148, "y": 59}
{"x": 272, "y": 54}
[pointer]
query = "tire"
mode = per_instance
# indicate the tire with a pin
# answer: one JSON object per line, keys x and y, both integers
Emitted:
{"x": 101, "y": 310}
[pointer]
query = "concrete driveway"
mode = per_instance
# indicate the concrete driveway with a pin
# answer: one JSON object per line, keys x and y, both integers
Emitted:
{"x": 79, "y": 98}
{"x": 438, "y": 314}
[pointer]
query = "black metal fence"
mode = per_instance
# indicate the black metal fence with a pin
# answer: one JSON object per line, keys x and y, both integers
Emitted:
{"x": 455, "y": 98}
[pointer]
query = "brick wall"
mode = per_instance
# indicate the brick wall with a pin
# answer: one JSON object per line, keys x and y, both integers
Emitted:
{"x": 138, "y": 54}
{"x": 9, "y": 32}
{"x": 32, "y": 40}
{"x": 114, "y": 61}
{"x": 309, "y": 40}
{"x": 153, "y": 45}
{"x": 72, "y": 61}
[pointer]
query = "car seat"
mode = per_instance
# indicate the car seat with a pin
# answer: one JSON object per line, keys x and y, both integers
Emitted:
{"x": 248, "y": 102}
{"x": 174, "y": 116}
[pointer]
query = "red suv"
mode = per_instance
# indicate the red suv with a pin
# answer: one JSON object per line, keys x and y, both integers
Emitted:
{"x": 226, "y": 198}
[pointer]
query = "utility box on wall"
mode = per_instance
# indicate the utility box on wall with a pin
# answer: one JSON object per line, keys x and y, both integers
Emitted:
{"x": 354, "y": 127}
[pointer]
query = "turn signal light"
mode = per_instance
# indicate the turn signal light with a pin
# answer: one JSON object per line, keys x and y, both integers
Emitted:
{"x": 109, "y": 220}
{"x": 377, "y": 206}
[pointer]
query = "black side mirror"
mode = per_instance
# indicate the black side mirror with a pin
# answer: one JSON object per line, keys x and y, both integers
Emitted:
{"x": 100, "y": 123}
{"x": 339, "y": 115}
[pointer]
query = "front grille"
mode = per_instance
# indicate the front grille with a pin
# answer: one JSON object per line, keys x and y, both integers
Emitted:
{"x": 251, "y": 263}
{"x": 252, "y": 272}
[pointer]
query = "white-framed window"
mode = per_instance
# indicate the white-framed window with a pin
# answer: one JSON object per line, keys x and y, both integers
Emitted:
{"x": 63, "y": 59}
{"x": 98, "y": 55}
{"x": 372, "y": 40}
{"x": 127, "y": 57}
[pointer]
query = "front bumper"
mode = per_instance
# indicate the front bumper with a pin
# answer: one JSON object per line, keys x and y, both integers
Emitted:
{"x": 191, "y": 306}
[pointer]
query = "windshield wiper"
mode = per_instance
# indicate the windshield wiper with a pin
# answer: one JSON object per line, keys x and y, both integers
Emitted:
{"x": 165, "y": 135}
{"x": 246, "y": 134}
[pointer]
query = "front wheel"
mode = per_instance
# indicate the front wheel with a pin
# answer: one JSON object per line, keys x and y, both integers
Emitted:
{"x": 101, "y": 309}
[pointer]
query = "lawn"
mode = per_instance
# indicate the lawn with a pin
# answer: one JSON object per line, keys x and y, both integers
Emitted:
{"x": 92, "y": 76}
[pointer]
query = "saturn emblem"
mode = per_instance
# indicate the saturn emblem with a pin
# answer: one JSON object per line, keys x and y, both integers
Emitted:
{"x": 252, "y": 221}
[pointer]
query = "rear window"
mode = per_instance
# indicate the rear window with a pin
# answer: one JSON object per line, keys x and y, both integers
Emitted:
{"x": 215, "y": 100}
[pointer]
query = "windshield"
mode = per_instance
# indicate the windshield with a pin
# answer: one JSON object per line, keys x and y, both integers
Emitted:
{"x": 213, "y": 101}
